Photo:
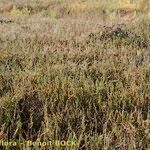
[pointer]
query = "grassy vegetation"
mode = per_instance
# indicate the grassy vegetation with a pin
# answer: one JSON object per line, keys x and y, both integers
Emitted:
{"x": 75, "y": 70}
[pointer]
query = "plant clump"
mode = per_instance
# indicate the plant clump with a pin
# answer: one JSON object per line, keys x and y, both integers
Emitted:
{"x": 119, "y": 37}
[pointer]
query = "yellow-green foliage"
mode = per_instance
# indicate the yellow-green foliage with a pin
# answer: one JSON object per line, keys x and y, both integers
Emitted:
{"x": 16, "y": 11}
{"x": 26, "y": 11}
{"x": 52, "y": 14}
